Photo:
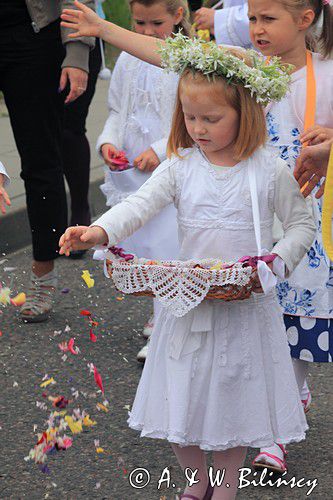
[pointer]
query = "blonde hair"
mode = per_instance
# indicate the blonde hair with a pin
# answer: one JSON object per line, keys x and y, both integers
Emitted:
{"x": 252, "y": 131}
{"x": 323, "y": 43}
{"x": 171, "y": 6}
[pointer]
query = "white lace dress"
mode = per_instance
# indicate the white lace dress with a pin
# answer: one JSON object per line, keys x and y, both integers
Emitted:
{"x": 220, "y": 376}
{"x": 141, "y": 101}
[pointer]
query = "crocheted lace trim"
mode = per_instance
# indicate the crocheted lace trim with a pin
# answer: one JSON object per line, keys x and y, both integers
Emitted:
{"x": 177, "y": 284}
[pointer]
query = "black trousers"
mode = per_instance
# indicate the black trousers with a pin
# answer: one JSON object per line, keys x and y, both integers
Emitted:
{"x": 30, "y": 68}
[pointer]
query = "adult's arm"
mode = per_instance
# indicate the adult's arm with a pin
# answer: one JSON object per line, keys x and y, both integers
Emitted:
{"x": 77, "y": 51}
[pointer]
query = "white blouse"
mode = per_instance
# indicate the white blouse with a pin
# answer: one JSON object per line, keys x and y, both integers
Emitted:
{"x": 214, "y": 208}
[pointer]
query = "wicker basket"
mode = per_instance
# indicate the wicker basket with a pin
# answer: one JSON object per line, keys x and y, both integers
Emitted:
{"x": 226, "y": 292}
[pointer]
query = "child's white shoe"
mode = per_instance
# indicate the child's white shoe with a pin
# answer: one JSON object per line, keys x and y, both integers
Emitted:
{"x": 142, "y": 354}
{"x": 272, "y": 458}
{"x": 148, "y": 328}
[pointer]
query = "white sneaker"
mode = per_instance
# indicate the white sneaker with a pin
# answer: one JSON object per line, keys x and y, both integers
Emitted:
{"x": 142, "y": 354}
{"x": 148, "y": 328}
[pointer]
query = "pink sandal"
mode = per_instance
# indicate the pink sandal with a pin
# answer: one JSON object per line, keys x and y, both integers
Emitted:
{"x": 280, "y": 466}
{"x": 307, "y": 402}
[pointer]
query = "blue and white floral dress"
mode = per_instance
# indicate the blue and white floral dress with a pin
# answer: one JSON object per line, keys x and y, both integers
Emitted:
{"x": 307, "y": 295}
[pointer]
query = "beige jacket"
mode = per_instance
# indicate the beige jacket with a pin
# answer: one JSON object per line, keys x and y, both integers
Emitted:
{"x": 44, "y": 12}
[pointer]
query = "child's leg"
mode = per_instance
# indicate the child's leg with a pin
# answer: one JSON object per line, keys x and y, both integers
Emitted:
{"x": 301, "y": 369}
{"x": 230, "y": 460}
{"x": 194, "y": 458}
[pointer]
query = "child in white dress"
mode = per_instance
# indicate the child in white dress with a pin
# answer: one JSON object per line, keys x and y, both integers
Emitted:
{"x": 141, "y": 101}
{"x": 285, "y": 28}
{"x": 212, "y": 379}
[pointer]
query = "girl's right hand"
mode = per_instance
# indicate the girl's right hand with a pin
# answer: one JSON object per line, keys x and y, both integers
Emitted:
{"x": 108, "y": 151}
{"x": 83, "y": 20}
{"x": 81, "y": 238}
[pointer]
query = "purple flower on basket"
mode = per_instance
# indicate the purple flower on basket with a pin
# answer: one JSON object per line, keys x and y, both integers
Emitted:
{"x": 121, "y": 253}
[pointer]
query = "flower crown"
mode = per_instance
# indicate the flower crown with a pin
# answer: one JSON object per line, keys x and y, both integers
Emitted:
{"x": 266, "y": 82}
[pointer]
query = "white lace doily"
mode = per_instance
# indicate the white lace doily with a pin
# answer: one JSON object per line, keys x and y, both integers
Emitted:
{"x": 178, "y": 285}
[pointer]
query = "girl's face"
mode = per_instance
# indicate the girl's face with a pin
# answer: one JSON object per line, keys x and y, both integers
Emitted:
{"x": 273, "y": 29}
{"x": 211, "y": 123}
{"x": 155, "y": 20}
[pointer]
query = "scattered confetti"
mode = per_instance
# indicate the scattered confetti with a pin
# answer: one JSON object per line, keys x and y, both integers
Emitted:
{"x": 102, "y": 407}
{"x": 71, "y": 347}
{"x": 19, "y": 299}
{"x": 98, "y": 379}
{"x": 4, "y": 295}
{"x": 48, "y": 382}
{"x": 89, "y": 281}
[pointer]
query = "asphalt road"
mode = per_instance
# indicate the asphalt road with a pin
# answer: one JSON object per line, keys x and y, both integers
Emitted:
{"x": 28, "y": 352}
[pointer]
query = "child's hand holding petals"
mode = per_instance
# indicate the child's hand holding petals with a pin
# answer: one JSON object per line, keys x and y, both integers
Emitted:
{"x": 316, "y": 135}
{"x": 147, "y": 161}
{"x": 81, "y": 238}
{"x": 108, "y": 151}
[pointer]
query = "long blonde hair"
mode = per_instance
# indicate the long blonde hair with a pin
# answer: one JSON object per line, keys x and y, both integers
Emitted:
{"x": 323, "y": 43}
{"x": 171, "y": 6}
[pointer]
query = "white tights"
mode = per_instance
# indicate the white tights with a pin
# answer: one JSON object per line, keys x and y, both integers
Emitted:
{"x": 231, "y": 460}
{"x": 301, "y": 369}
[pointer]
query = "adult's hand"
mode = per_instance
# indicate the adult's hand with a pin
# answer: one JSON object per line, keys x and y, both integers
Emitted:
{"x": 204, "y": 19}
{"x": 77, "y": 78}
{"x": 311, "y": 167}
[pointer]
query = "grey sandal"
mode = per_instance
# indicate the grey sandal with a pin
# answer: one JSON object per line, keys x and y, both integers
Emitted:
{"x": 40, "y": 297}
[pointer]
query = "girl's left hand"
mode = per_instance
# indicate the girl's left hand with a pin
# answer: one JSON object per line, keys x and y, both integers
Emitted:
{"x": 147, "y": 161}
{"x": 316, "y": 135}
{"x": 4, "y": 198}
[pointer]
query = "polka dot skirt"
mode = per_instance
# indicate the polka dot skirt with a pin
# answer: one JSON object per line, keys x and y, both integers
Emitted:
{"x": 310, "y": 339}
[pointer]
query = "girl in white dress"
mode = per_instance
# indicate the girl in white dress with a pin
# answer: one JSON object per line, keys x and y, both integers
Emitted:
{"x": 141, "y": 102}
{"x": 212, "y": 380}
{"x": 286, "y": 28}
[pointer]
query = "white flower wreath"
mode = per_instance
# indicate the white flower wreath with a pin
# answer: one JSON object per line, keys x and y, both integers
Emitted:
{"x": 266, "y": 82}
